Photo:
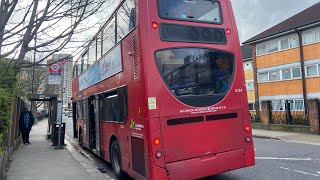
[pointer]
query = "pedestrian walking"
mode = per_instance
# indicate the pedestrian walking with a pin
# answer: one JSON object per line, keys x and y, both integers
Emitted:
{"x": 25, "y": 124}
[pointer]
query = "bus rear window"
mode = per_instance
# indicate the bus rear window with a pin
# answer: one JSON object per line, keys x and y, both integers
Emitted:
{"x": 190, "y": 10}
{"x": 196, "y": 76}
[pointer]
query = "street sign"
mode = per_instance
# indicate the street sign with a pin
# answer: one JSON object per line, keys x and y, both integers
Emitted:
{"x": 59, "y": 112}
{"x": 55, "y": 68}
{"x": 54, "y": 79}
{"x": 55, "y": 71}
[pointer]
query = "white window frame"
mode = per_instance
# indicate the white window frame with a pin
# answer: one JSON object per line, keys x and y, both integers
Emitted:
{"x": 279, "y": 45}
{"x": 288, "y": 39}
{"x": 306, "y": 70}
{"x": 318, "y": 38}
{"x": 294, "y": 102}
{"x": 267, "y": 76}
{"x": 290, "y": 70}
{"x": 251, "y": 89}
{"x": 307, "y": 32}
{"x": 297, "y": 37}
{"x": 292, "y": 73}
{"x": 260, "y": 46}
{"x": 275, "y": 42}
{"x": 244, "y": 65}
{"x": 280, "y": 75}
{"x": 281, "y": 104}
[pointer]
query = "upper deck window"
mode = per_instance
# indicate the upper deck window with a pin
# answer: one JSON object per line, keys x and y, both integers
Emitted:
{"x": 125, "y": 19}
{"x": 190, "y": 10}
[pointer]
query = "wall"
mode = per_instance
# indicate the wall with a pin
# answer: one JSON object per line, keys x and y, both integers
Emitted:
{"x": 249, "y": 77}
{"x": 311, "y": 51}
{"x": 280, "y": 88}
{"x": 288, "y": 87}
{"x": 278, "y": 58}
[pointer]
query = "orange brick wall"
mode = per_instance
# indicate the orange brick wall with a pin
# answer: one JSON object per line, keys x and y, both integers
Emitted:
{"x": 280, "y": 88}
{"x": 284, "y": 57}
{"x": 313, "y": 84}
{"x": 278, "y": 58}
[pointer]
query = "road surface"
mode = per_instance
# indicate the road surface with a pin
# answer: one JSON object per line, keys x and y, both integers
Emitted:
{"x": 274, "y": 160}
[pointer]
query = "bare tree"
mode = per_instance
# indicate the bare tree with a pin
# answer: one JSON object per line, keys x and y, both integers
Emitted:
{"x": 52, "y": 23}
{"x": 32, "y": 79}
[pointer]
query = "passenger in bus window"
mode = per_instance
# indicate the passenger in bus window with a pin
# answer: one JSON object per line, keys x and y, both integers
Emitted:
{"x": 222, "y": 74}
{"x": 115, "y": 111}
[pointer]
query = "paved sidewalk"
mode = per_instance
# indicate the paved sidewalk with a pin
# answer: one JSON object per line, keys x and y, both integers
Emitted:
{"x": 40, "y": 161}
{"x": 293, "y": 137}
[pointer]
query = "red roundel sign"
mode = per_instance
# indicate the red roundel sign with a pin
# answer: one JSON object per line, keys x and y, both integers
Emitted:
{"x": 55, "y": 68}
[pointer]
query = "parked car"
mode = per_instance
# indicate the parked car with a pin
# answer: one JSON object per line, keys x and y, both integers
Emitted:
{"x": 68, "y": 113}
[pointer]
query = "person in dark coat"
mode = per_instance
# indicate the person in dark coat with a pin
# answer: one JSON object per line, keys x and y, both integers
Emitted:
{"x": 25, "y": 124}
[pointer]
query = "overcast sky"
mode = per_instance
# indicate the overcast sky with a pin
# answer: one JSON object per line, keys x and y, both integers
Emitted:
{"x": 256, "y": 16}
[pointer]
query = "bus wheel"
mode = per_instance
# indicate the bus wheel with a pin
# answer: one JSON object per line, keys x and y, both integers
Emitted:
{"x": 115, "y": 158}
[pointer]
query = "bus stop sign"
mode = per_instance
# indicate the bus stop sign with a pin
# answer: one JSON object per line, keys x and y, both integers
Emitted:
{"x": 55, "y": 68}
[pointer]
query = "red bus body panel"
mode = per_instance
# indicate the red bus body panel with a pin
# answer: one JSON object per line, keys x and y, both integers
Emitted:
{"x": 198, "y": 149}
{"x": 183, "y": 142}
{"x": 206, "y": 166}
{"x": 189, "y": 151}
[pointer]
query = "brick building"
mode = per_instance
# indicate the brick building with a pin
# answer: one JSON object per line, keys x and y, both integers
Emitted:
{"x": 286, "y": 64}
{"x": 249, "y": 75}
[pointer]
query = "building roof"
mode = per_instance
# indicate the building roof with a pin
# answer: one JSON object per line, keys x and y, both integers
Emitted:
{"x": 246, "y": 51}
{"x": 308, "y": 16}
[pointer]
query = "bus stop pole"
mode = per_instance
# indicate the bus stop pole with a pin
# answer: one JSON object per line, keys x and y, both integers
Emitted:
{"x": 59, "y": 146}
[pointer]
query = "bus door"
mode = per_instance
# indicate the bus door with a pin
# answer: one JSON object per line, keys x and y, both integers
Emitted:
{"x": 74, "y": 119}
{"x": 92, "y": 122}
{"x": 97, "y": 125}
{"x": 86, "y": 127}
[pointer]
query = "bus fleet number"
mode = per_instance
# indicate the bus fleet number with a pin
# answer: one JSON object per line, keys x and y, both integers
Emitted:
{"x": 238, "y": 90}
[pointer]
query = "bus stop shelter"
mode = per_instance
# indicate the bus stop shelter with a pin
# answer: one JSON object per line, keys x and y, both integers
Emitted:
{"x": 52, "y": 108}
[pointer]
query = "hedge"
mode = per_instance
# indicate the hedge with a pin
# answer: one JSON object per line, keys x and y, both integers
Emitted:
{"x": 5, "y": 114}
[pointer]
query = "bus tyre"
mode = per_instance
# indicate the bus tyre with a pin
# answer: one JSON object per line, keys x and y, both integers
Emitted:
{"x": 115, "y": 158}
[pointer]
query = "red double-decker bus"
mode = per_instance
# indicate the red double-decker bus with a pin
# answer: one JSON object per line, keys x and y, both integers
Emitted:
{"x": 160, "y": 92}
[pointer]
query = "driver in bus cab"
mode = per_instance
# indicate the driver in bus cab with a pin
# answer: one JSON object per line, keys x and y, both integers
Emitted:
{"x": 222, "y": 74}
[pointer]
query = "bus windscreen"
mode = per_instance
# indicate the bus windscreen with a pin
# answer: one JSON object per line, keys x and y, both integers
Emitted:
{"x": 190, "y": 10}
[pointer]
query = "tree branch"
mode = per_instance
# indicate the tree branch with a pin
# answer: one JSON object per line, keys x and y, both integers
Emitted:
{"x": 42, "y": 18}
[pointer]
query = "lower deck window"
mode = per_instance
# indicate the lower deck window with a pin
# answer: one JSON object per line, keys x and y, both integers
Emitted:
{"x": 114, "y": 105}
